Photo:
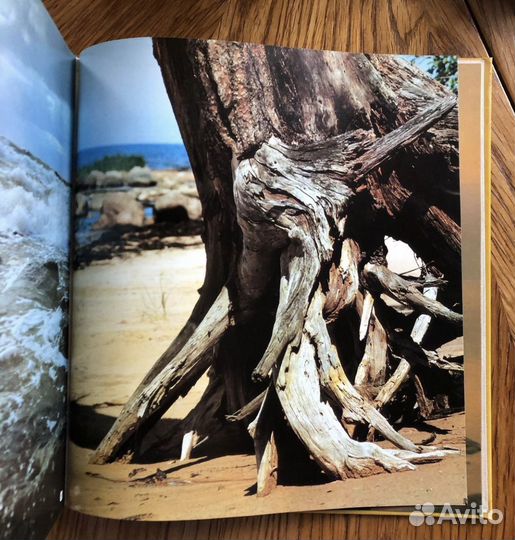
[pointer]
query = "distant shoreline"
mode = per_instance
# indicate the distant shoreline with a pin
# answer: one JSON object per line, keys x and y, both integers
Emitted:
{"x": 157, "y": 156}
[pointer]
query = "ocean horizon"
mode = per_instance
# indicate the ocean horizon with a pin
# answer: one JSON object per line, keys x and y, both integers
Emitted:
{"x": 156, "y": 156}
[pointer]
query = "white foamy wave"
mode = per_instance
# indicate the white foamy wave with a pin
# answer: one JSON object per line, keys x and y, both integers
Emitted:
{"x": 33, "y": 302}
{"x": 34, "y": 232}
{"x": 34, "y": 200}
{"x": 44, "y": 328}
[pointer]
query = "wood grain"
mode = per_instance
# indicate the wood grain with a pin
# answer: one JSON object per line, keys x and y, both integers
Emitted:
{"x": 495, "y": 21}
{"x": 86, "y": 22}
{"x": 384, "y": 26}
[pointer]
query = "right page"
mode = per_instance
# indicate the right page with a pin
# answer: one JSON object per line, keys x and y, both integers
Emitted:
{"x": 268, "y": 286}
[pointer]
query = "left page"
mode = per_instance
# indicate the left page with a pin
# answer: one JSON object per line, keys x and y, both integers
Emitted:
{"x": 36, "y": 96}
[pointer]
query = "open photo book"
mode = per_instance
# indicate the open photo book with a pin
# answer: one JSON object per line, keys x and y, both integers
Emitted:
{"x": 240, "y": 279}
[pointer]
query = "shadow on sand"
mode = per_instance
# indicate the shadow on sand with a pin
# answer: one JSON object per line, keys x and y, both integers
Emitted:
{"x": 88, "y": 427}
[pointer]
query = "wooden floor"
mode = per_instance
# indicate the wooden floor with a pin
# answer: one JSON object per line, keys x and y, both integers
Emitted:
{"x": 464, "y": 27}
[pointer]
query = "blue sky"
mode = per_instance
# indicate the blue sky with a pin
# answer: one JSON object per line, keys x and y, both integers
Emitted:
{"x": 36, "y": 76}
{"x": 123, "y": 99}
{"x": 122, "y": 96}
{"x": 423, "y": 62}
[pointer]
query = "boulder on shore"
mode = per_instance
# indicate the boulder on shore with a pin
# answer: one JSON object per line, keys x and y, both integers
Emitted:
{"x": 120, "y": 209}
{"x": 140, "y": 177}
{"x": 113, "y": 179}
{"x": 175, "y": 206}
{"x": 92, "y": 180}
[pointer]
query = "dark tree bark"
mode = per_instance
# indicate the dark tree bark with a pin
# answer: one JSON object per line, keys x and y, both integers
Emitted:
{"x": 304, "y": 162}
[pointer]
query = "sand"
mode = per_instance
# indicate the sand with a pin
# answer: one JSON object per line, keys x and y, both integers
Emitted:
{"x": 126, "y": 312}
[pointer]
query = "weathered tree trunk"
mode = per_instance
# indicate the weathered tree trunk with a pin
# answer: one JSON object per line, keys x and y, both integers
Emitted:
{"x": 305, "y": 161}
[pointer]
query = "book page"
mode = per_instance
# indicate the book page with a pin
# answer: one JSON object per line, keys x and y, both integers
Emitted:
{"x": 267, "y": 282}
{"x": 36, "y": 97}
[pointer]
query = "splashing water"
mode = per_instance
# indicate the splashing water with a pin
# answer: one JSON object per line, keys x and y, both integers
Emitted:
{"x": 34, "y": 233}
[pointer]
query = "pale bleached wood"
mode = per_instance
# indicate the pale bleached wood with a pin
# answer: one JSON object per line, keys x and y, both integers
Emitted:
{"x": 394, "y": 26}
{"x": 188, "y": 365}
{"x": 407, "y": 293}
{"x": 343, "y": 281}
{"x": 402, "y": 371}
{"x": 372, "y": 367}
{"x": 355, "y": 407}
{"x": 302, "y": 175}
{"x": 366, "y": 313}
{"x": 251, "y": 408}
{"x": 422, "y": 323}
{"x": 278, "y": 166}
{"x": 262, "y": 429}
{"x": 314, "y": 421}
{"x": 188, "y": 442}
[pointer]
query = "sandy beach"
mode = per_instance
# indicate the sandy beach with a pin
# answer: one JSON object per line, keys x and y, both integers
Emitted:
{"x": 126, "y": 312}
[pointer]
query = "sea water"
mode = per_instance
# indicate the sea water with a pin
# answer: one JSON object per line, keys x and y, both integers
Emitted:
{"x": 34, "y": 240}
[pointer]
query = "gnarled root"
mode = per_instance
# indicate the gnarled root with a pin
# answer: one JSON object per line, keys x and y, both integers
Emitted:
{"x": 175, "y": 379}
{"x": 263, "y": 431}
{"x": 315, "y": 423}
{"x": 333, "y": 378}
{"x": 292, "y": 203}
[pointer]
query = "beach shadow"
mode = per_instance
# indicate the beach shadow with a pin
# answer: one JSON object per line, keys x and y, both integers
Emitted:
{"x": 232, "y": 440}
{"x": 425, "y": 427}
{"x": 88, "y": 427}
{"x": 120, "y": 240}
{"x": 251, "y": 490}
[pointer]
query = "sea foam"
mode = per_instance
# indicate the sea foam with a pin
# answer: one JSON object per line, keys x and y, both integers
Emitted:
{"x": 34, "y": 240}
{"x": 34, "y": 199}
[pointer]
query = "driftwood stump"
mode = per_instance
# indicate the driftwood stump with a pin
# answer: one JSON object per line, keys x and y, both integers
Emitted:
{"x": 305, "y": 161}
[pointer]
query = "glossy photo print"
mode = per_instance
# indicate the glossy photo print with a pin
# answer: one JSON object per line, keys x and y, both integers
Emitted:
{"x": 267, "y": 282}
{"x": 35, "y": 156}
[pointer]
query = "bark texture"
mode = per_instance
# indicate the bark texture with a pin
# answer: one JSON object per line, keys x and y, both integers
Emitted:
{"x": 305, "y": 161}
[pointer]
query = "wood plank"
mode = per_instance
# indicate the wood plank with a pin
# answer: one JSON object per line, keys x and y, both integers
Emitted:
{"x": 86, "y": 22}
{"x": 495, "y": 20}
{"x": 388, "y": 26}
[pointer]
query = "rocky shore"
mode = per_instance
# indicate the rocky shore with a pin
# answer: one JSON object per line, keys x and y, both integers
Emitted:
{"x": 119, "y": 212}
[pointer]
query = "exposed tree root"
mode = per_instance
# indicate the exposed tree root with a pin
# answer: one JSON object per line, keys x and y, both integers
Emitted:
{"x": 300, "y": 266}
{"x": 263, "y": 431}
{"x": 343, "y": 281}
{"x": 292, "y": 203}
{"x": 384, "y": 280}
{"x": 174, "y": 380}
{"x": 202, "y": 422}
{"x": 332, "y": 377}
{"x": 401, "y": 373}
{"x": 250, "y": 409}
{"x": 315, "y": 423}
{"x": 372, "y": 368}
